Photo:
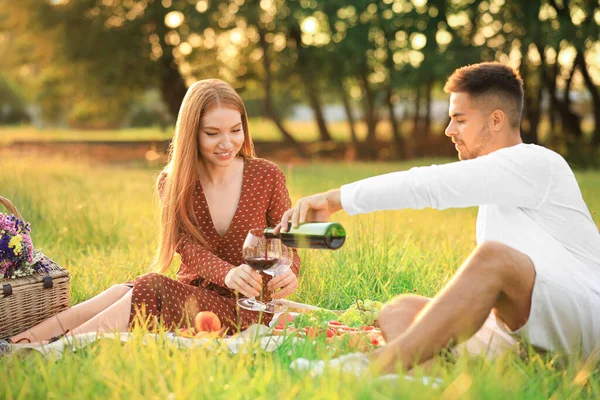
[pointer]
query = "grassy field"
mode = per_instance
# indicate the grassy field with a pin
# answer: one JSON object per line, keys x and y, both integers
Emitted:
{"x": 99, "y": 221}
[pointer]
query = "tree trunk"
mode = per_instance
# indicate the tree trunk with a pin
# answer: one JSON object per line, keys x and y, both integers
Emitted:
{"x": 523, "y": 71}
{"x": 312, "y": 91}
{"x": 315, "y": 102}
{"x": 349, "y": 115}
{"x": 269, "y": 109}
{"x": 475, "y": 22}
{"x": 416, "y": 139}
{"x": 532, "y": 99}
{"x": 416, "y": 116}
{"x": 570, "y": 121}
{"x": 580, "y": 60}
{"x": 535, "y": 114}
{"x": 370, "y": 117}
{"x": 398, "y": 140}
{"x": 567, "y": 94}
{"x": 427, "y": 122}
{"x": 552, "y": 117}
{"x": 172, "y": 85}
{"x": 401, "y": 150}
{"x": 553, "y": 109}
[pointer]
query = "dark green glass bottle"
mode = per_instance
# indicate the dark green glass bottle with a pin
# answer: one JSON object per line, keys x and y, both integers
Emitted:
{"x": 313, "y": 235}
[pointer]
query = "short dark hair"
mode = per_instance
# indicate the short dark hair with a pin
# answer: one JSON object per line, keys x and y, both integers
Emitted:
{"x": 495, "y": 85}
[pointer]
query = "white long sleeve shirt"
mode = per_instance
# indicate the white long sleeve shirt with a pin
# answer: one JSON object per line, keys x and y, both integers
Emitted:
{"x": 527, "y": 195}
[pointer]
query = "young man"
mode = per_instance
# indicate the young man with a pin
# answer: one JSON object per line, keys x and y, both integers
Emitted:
{"x": 537, "y": 262}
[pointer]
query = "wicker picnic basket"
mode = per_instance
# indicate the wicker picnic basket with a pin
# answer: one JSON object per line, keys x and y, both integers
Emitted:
{"x": 29, "y": 300}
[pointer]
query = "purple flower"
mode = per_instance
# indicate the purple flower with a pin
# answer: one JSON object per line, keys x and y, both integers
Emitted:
{"x": 20, "y": 255}
{"x": 5, "y": 251}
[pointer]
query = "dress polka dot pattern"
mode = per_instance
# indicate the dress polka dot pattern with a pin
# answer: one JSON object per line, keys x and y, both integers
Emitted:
{"x": 200, "y": 284}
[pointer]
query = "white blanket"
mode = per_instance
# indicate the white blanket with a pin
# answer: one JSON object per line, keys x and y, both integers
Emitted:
{"x": 235, "y": 344}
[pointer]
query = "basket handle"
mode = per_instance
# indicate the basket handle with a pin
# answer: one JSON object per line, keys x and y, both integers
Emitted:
{"x": 11, "y": 207}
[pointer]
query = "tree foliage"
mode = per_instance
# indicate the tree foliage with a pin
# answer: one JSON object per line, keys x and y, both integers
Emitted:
{"x": 369, "y": 56}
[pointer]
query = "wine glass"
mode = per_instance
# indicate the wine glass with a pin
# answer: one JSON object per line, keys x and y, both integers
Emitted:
{"x": 260, "y": 254}
{"x": 285, "y": 262}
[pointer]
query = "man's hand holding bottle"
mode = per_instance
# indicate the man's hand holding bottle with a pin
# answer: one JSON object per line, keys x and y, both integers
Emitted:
{"x": 316, "y": 208}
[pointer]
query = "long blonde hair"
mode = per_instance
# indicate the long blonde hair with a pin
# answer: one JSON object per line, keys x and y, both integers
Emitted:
{"x": 177, "y": 182}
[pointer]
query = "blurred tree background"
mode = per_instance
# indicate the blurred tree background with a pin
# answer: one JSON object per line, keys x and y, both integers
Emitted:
{"x": 110, "y": 63}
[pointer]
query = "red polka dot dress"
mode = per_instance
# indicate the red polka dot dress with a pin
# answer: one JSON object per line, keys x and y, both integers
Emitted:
{"x": 200, "y": 284}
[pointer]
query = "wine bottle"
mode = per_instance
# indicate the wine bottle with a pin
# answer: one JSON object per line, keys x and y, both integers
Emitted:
{"x": 314, "y": 235}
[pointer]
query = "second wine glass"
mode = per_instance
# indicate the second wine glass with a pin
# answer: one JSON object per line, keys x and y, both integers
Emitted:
{"x": 286, "y": 259}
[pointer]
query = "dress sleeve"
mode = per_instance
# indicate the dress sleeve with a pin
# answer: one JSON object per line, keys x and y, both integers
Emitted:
{"x": 279, "y": 203}
{"x": 200, "y": 262}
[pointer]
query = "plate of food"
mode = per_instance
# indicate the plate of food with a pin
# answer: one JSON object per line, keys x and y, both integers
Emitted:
{"x": 355, "y": 325}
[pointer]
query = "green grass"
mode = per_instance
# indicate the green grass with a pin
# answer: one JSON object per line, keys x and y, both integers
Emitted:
{"x": 99, "y": 221}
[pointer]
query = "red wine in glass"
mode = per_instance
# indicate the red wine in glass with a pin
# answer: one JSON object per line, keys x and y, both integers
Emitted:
{"x": 261, "y": 264}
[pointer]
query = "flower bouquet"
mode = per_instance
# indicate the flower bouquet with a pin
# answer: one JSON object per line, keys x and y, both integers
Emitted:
{"x": 32, "y": 286}
{"x": 18, "y": 258}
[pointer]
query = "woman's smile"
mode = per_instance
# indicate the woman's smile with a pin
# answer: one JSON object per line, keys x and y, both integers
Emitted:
{"x": 224, "y": 156}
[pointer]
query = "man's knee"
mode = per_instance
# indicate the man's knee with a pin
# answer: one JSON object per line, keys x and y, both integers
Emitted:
{"x": 396, "y": 316}
{"x": 494, "y": 258}
{"x": 491, "y": 250}
{"x": 403, "y": 304}
{"x": 502, "y": 267}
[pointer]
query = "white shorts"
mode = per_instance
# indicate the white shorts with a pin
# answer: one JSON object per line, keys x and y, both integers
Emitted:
{"x": 565, "y": 302}
{"x": 559, "y": 320}
{"x": 489, "y": 341}
{"x": 564, "y": 316}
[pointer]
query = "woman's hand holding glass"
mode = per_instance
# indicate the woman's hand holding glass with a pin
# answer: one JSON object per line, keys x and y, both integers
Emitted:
{"x": 245, "y": 280}
{"x": 283, "y": 285}
{"x": 284, "y": 280}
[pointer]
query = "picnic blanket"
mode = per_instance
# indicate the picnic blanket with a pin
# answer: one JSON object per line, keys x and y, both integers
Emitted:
{"x": 353, "y": 363}
{"x": 235, "y": 344}
{"x": 490, "y": 341}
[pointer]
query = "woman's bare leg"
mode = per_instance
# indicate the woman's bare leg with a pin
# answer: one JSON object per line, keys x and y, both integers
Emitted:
{"x": 74, "y": 316}
{"x": 113, "y": 319}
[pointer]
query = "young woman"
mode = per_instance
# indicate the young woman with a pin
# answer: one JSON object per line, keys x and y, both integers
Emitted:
{"x": 212, "y": 192}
